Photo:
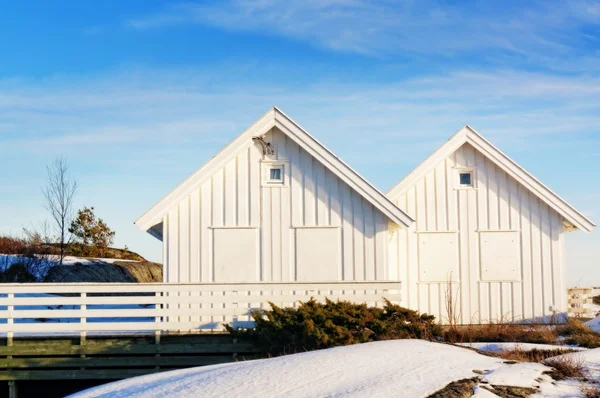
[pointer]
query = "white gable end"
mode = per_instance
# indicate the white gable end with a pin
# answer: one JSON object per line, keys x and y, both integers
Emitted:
{"x": 297, "y": 214}
{"x": 496, "y": 236}
{"x": 236, "y": 227}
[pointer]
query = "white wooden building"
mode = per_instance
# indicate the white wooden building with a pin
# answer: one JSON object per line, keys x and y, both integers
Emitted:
{"x": 488, "y": 226}
{"x": 275, "y": 205}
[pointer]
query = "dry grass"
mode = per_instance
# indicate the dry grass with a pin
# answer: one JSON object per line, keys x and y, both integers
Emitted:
{"x": 501, "y": 332}
{"x": 576, "y": 332}
{"x": 535, "y": 355}
{"x": 567, "y": 366}
{"x": 591, "y": 391}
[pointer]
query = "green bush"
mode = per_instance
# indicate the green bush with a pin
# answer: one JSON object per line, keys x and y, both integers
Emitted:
{"x": 313, "y": 325}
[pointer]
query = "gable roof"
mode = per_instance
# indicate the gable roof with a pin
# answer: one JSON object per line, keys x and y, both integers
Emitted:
{"x": 275, "y": 118}
{"x": 468, "y": 135}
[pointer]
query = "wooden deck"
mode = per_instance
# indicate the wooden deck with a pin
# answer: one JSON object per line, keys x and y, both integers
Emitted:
{"x": 115, "y": 357}
{"x": 112, "y": 357}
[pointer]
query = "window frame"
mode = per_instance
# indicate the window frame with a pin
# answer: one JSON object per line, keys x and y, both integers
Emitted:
{"x": 463, "y": 170}
{"x": 267, "y": 166}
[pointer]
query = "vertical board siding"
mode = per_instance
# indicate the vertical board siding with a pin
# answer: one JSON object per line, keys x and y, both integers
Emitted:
{"x": 499, "y": 203}
{"x": 313, "y": 196}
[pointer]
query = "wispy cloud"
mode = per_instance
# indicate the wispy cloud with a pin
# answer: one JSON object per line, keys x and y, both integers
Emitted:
{"x": 185, "y": 108}
{"x": 133, "y": 135}
{"x": 532, "y": 32}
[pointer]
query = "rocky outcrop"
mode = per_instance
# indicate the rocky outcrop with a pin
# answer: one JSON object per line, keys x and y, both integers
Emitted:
{"x": 101, "y": 272}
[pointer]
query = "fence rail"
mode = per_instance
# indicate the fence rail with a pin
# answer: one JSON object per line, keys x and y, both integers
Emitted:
{"x": 51, "y": 308}
{"x": 581, "y": 302}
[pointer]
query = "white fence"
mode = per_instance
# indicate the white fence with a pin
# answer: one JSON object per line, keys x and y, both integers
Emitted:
{"x": 51, "y": 308}
{"x": 581, "y": 304}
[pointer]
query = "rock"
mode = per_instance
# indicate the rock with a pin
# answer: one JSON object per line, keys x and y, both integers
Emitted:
{"x": 101, "y": 272}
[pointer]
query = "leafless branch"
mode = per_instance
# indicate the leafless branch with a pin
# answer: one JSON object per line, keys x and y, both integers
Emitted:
{"x": 59, "y": 193}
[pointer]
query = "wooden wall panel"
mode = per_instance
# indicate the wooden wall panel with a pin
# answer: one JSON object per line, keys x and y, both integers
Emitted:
{"x": 497, "y": 203}
{"x": 313, "y": 196}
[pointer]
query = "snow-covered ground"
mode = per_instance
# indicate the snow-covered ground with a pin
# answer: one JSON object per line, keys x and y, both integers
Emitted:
{"x": 594, "y": 324}
{"x": 498, "y": 347}
{"x": 409, "y": 368}
{"x": 68, "y": 260}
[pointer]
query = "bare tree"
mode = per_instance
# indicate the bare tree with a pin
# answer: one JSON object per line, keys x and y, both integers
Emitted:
{"x": 58, "y": 194}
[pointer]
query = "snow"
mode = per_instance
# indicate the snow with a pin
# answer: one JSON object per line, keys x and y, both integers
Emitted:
{"x": 594, "y": 324}
{"x": 416, "y": 368}
{"x": 83, "y": 260}
{"x": 499, "y": 347}
{"x": 483, "y": 393}
{"x": 67, "y": 260}
{"x": 521, "y": 374}
{"x": 380, "y": 369}
{"x": 591, "y": 360}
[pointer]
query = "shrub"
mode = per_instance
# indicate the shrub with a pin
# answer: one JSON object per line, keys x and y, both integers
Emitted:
{"x": 567, "y": 366}
{"x": 22, "y": 260}
{"x": 91, "y": 231}
{"x": 313, "y": 325}
{"x": 596, "y": 300}
{"x": 577, "y": 332}
{"x": 592, "y": 391}
{"x": 11, "y": 245}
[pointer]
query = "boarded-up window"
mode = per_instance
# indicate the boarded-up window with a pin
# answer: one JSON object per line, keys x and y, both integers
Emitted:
{"x": 317, "y": 254}
{"x": 235, "y": 254}
{"x": 500, "y": 256}
{"x": 438, "y": 257}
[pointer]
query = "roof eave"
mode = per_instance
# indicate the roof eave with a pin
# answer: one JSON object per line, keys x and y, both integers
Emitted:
{"x": 275, "y": 117}
{"x": 467, "y": 134}
{"x": 155, "y": 213}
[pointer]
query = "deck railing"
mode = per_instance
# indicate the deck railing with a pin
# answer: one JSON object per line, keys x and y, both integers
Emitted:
{"x": 59, "y": 308}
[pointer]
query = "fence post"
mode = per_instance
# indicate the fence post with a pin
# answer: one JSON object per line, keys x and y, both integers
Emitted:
{"x": 9, "y": 320}
{"x": 12, "y": 389}
{"x": 83, "y": 320}
{"x": 157, "y": 319}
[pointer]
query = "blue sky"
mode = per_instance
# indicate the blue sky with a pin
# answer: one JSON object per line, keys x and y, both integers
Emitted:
{"x": 139, "y": 94}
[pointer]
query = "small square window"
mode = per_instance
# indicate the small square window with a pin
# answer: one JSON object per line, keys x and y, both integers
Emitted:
{"x": 275, "y": 174}
{"x": 466, "y": 179}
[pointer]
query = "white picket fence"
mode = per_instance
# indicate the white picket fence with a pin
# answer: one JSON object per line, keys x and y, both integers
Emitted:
{"x": 84, "y": 308}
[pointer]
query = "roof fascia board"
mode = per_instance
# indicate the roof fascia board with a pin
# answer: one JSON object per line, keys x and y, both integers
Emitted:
{"x": 445, "y": 150}
{"x": 468, "y": 135}
{"x": 196, "y": 179}
{"x": 530, "y": 182}
{"x": 276, "y": 118}
{"x": 342, "y": 170}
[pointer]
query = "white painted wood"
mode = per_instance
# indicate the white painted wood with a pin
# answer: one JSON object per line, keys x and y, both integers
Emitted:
{"x": 42, "y": 308}
{"x": 320, "y": 190}
{"x": 438, "y": 257}
{"x": 276, "y": 118}
{"x": 317, "y": 254}
{"x": 500, "y": 259}
{"x": 234, "y": 197}
{"x": 468, "y": 135}
{"x": 235, "y": 254}
{"x": 526, "y": 285}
